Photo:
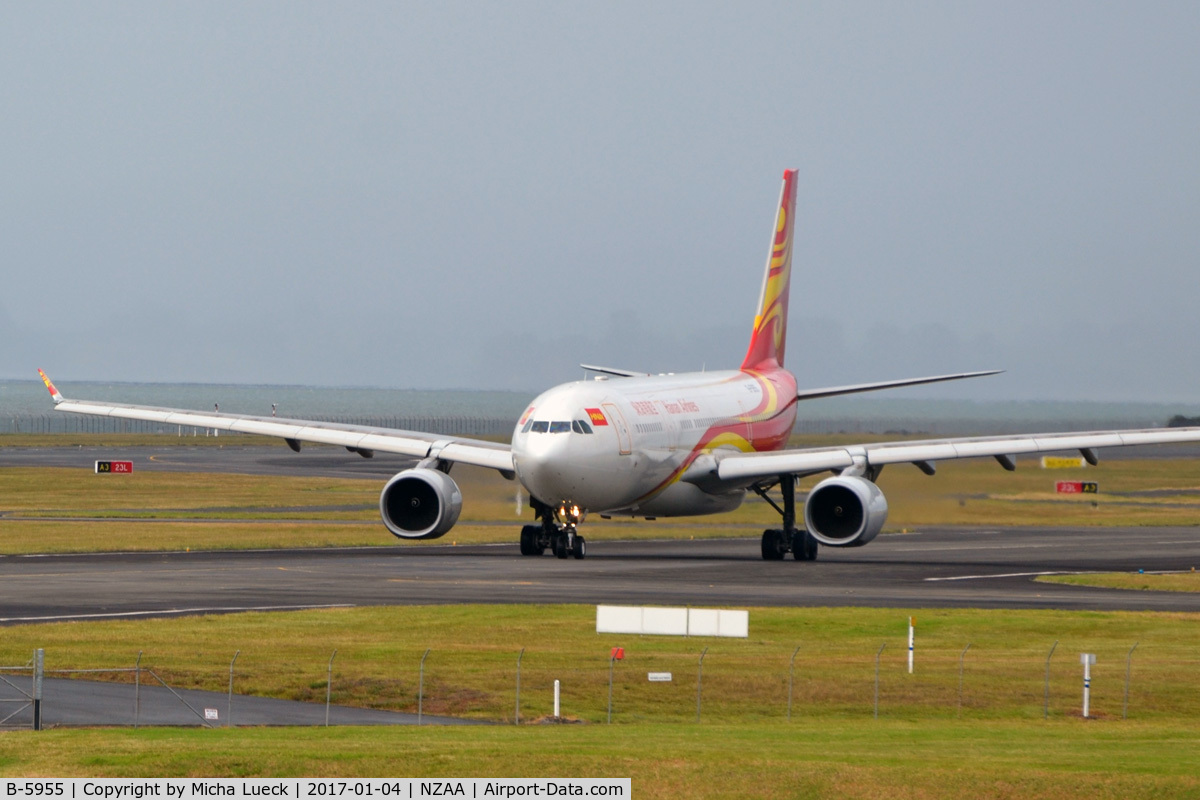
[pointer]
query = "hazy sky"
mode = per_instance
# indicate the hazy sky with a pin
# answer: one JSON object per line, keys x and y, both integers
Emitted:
{"x": 484, "y": 194}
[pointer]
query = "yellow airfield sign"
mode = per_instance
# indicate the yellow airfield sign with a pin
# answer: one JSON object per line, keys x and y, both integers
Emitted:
{"x": 1059, "y": 462}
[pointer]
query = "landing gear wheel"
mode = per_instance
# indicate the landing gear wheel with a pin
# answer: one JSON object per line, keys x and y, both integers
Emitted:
{"x": 580, "y": 549}
{"x": 772, "y": 545}
{"x": 560, "y": 546}
{"x": 529, "y": 541}
{"x": 804, "y": 546}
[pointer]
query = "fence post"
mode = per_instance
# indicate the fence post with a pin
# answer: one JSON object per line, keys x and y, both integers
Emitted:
{"x": 421, "y": 687}
{"x": 39, "y": 666}
{"x": 137, "y": 689}
{"x": 329, "y": 686}
{"x": 517, "y": 715}
{"x": 700, "y": 683}
{"x": 1046, "y": 700}
{"x": 612, "y": 659}
{"x": 1128, "y": 667}
{"x": 229, "y": 708}
{"x": 791, "y": 675}
{"x": 960, "y": 676}
{"x": 877, "y": 655}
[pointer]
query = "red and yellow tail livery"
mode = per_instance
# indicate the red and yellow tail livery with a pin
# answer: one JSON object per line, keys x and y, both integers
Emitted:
{"x": 770, "y": 323}
{"x": 54, "y": 395}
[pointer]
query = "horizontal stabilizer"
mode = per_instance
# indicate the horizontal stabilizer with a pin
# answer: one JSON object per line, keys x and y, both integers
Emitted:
{"x": 620, "y": 373}
{"x": 833, "y": 391}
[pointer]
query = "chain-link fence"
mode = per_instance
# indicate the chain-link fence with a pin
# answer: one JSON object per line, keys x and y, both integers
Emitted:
{"x": 647, "y": 683}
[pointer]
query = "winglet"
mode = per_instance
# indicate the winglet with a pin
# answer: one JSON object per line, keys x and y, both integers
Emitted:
{"x": 54, "y": 395}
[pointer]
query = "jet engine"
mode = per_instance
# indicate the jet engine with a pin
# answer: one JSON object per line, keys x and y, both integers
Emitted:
{"x": 845, "y": 511}
{"x": 420, "y": 504}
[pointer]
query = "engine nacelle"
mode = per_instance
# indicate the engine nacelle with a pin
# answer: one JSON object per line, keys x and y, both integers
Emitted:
{"x": 845, "y": 511}
{"x": 420, "y": 504}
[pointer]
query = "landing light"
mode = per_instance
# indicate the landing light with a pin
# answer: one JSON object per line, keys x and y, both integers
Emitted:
{"x": 570, "y": 514}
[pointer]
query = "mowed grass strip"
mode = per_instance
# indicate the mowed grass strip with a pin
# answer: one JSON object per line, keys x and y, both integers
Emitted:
{"x": 35, "y": 501}
{"x": 471, "y": 668}
{"x": 57, "y": 491}
{"x": 806, "y": 759}
{"x": 1159, "y": 582}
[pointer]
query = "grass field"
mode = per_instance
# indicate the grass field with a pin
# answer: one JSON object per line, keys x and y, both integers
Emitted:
{"x": 62, "y": 510}
{"x": 808, "y": 759}
{"x": 1168, "y": 582}
{"x": 471, "y": 668}
{"x": 921, "y": 745}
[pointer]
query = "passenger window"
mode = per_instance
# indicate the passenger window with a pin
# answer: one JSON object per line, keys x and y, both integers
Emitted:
{"x": 528, "y": 425}
{"x": 560, "y": 427}
{"x": 541, "y": 426}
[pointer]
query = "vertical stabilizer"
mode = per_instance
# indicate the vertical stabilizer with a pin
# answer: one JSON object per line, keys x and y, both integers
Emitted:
{"x": 770, "y": 321}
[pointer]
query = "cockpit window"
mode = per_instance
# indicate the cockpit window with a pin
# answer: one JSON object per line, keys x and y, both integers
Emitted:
{"x": 556, "y": 426}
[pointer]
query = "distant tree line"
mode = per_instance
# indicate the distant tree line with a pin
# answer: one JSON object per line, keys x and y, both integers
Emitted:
{"x": 1180, "y": 421}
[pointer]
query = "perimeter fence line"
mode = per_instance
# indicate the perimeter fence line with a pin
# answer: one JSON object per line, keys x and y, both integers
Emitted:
{"x": 645, "y": 685}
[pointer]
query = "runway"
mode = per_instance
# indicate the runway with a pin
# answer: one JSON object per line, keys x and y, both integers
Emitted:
{"x": 937, "y": 568}
{"x": 930, "y": 568}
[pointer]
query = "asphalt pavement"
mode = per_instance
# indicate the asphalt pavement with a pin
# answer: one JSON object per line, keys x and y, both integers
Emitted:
{"x": 86, "y": 702}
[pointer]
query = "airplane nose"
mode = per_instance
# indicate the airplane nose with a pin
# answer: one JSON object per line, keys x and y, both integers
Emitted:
{"x": 543, "y": 465}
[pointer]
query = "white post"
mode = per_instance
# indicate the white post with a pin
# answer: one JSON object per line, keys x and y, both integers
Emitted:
{"x": 1087, "y": 659}
{"x": 911, "y": 626}
{"x": 556, "y": 707}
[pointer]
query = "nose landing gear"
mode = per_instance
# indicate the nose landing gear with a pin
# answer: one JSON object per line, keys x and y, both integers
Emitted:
{"x": 557, "y": 531}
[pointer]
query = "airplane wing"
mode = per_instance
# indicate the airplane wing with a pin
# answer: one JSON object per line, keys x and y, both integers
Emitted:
{"x": 923, "y": 453}
{"x": 362, "y": 439}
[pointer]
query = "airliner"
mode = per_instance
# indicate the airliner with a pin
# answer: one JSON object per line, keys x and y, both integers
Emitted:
{"x": 632, "y": 444}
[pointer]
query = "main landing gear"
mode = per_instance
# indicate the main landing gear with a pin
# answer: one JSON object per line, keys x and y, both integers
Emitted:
{"x": 558, "y": 531}
{"x": 777, "y": 542}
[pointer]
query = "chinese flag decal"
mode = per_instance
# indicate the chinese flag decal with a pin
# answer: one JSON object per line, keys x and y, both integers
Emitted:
{"x": 597, "y": 416}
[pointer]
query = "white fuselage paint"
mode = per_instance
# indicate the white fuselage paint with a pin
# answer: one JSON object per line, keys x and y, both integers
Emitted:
{"x": 655, "y": 431}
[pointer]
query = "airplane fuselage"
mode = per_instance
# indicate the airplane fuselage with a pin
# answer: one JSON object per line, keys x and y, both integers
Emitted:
{"x": 643, "y": 445}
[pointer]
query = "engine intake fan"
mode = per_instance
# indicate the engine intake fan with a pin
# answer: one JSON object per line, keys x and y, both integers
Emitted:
{"x": 845, "y": 511}
{"x": 420, "y": 504}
